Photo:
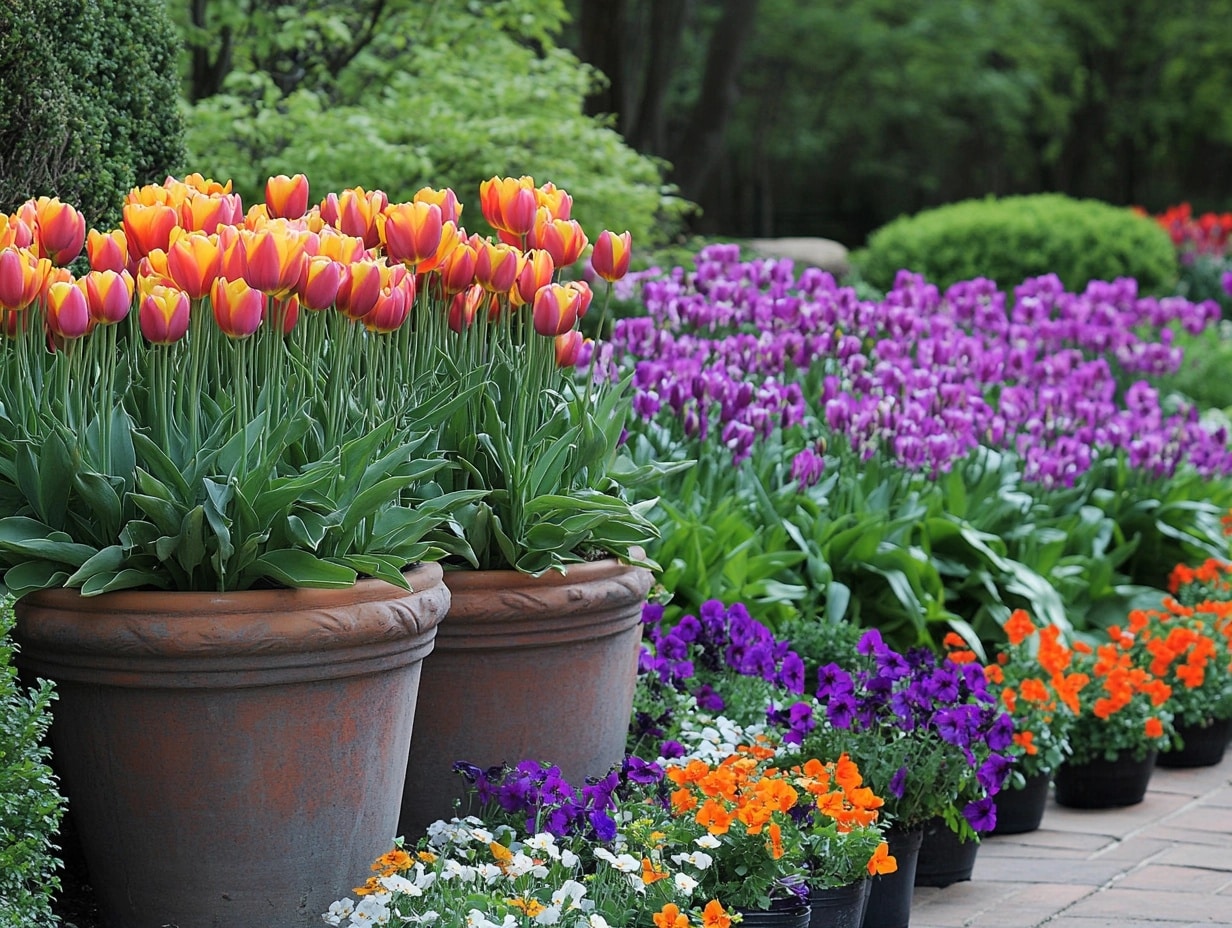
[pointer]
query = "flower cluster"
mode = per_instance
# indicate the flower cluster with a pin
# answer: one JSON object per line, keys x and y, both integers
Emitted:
{"x": 927, "y": 733}
{"x": 1189, "y": 650}
{"x": 920, "y": 376}
{"x": 1123, "y": 708}
{"x": 1206, "y": 234}
{"x": 1210, "y": 581}
{"x": 1030, "y": 679}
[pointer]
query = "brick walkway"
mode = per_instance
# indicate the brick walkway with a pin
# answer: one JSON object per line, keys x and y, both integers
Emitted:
{"x": 1166, "y": 862}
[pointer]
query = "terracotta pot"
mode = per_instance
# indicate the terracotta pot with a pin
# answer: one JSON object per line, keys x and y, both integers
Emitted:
{"x": 839, "y": 906}
{"x": 1022, "y": 810}
{"x": 889, "y": 898}
{"x": 231, "y": 758}
{"x": 1104, "y": 784}
{"x": 944, "y": 857}
{"x": 526, "y": 668}
{"x": 1202, "y": 745}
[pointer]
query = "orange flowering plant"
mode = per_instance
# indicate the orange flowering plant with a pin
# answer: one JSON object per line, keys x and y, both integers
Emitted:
{"x": 1210, "y": 581}
{"x": 1189, "y": 648}
{"x": 1032, "y": 677}
{"x": 1123, "y": 708}
{"x": 299, "y": 394}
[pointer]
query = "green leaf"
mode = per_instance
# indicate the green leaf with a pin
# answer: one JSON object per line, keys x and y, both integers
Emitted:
{"x": 29, "y": 576}
{"x": 106, "y": 560}
{"x": 301, "y": 569}
{"x": 382, "y": 568}
{"x": 98, "y": 493}
{"x": 127, "y": 579}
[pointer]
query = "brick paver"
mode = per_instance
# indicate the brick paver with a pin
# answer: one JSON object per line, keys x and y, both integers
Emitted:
{"x": 1166, "y": 863}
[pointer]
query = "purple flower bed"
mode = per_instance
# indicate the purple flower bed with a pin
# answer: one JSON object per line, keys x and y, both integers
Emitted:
{"x": 739, "y": 349}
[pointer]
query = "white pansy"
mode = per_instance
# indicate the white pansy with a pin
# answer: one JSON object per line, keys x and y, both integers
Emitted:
{"x": 520, "y": 865}
{"x": 548, "y": 915}
{"x": 482, "y": 835}
{"x": 708, "y": 841}
{"x": 571, "y": 891}
{"x": 568, "y": 858}
{"x": 370, "y": 911}
{"x": 598, "y": 921}
{"x": 684, "y": 883}
{"x": 545, "y": 843}
{"x": 699, "y": 859}
{"x": 339, "y": 910}
{"x": 490, "y": 873}
{"x": 625, "y": 863}
{"x": 430, "y": 917}
{"x": 454, "y": 870}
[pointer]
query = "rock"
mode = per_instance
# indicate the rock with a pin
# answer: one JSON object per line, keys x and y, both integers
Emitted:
{"x": 806, "y": 252}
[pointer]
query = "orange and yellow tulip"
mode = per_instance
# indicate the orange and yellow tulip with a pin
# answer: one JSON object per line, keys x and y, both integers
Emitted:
{"x": 447, "y": 200}
{"x": 610, "y": 258}
{"x": 286, "y": 197}
{"x": 59, "y": 229}
{"x": 558, "y": 203}
{"x": 392, "y": 307}
{"x": 497, "y": 266}
{"x": 201, "y": 213}
{"x": 465, "y": 306}
{"x": 509, "y": 204}
{"x": 67, "y": 313}
{"x": 354, "y": 212}
{"x": 585, "y": 295}
{"x": 238, "y": 308}
{"x": 451, "y": 238}
{"x": 109, "y": 295}
{"x": 536, "y": 273}
{"x": 563, "y": 239}
{"x": 410, "y": 232}
{"x": 457, "y": 271}
{"x": 568, "y": 348}
{"x": 148, "y": 227}
{"x": 193, "y": 262}
{"x": 163, "y": 314}
{"x": 273, "y": 259}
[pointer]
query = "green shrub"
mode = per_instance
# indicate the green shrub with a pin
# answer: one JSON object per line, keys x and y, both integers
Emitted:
{"x": 30, "y": 804}
{"x": 90, "y": 107}
{"x": 1014, "y": 238}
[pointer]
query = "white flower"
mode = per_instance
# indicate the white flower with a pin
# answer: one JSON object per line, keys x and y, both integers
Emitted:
{"x": 699, "y": 859}
{"x": 685, "y": 884}
{"x": 453, "y": 870}
{"x": 429, "y": 917}
{"x": 482, "y": 835}
{"x": 625, "y": 863}
{"x": 371, "y": 911}
{"x": 568, "y": 858}
{"x": 400, "y": 884}
{"x": 490, "y": 873}
{"x": 545, "y": 843}
{"x": 549, "y": 915}
{"x": 520, "y": 865}
{"x": 598, "y": 921}
{"x": 339, "y": 910}
{"x": 708, "y": 841}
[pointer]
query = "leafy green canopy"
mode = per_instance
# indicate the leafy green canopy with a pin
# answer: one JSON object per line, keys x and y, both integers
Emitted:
{"x": 403, "y": 94}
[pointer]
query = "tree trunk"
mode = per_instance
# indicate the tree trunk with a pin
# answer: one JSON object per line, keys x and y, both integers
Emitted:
{"x": 601, "y": 36}
{"x": 207, "y": 74}
{"x": 646, "y": 128}
{"x": 695, "y": 155}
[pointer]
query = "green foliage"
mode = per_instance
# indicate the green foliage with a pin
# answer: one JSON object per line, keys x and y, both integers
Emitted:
{"x": 30, "y": 803}
{"x": 1011, "y": 239}
{"x": 95, "y": 111}
{"x": 1203, "y": 379}
{"x": 446, "y": 94}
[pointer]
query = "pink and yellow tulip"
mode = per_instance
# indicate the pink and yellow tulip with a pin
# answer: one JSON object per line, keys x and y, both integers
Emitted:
{"x": 60, "y": 230}
{"x": 273, "y": 259}
{"x": 536, "y": 273}
{"x": 238, "y": 308}
{"x": 22, "y": 276}
{"x": 109, "y": 295}
{"x": 107, "y": 251}
{"x": 555, "y": 310}
{"x": 563, "y": 239}
{"x": 193, "y": 262}
{"x": 286, "y": 197}
{"x": 319, "y": 282}
{"x": 497, "y": 266}
{"x": 66, "y": 310}
{"x": 410, "y": 232}
{"x": 509, "y": 204}
{"x": 446, "y": 199}
{"x": 148, "y": 227}
{"x": 611, "y": 255}
{"x": 163, "y": 314}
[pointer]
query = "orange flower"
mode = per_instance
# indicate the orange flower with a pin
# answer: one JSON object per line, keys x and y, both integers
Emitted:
{"x": 714, "y": 817}
{"x": 775, "y": 844}
{"x": 670, "y": 916}
{"x": 882, "y": 861}
{"x": 392, "y": 862}
{"x": 651, "y": 873}
{"x": 1026, "y": 741}
{"x": 1154, "y": 728}
{"x": 1019, "y": 627}
{"x": 527, "y": 904}
{"x": 714, "y": 915}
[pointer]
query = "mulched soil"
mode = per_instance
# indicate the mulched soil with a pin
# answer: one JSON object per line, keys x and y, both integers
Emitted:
{"x": 75, "y": 904}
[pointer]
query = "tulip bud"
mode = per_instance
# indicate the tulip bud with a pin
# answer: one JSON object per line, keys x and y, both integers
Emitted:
{"x": 410, "y": 232}
{"x": 555, "y": 310}
{"x": 563, "y": 239}
{"x": 358, "y": 288}
{"x": 107, "y": 251}
{"x": 509, "y": 204}
{"x": 497, "y": 266}
{"x": 610, "y": 258}
{"x": 193, "y": 262}
{"x": 109, "y": 295}
{"x": 286, "y": 197}
{"x": 457, "y": 271}
{"x": 238, "y": 308}
{"x": 568, "y": 348}
{"x": 60, "y": 230}
{"x": 273, "y": 259}
{"x": 536, "y": 273}
{"x": 464, "y": 306}
{"x": 148, "y": 228}
{"x": 22, "y": 276}
{"x": 68, "y": 315}
{"x": 585, "y": 295}
{"x": 319, "y": 282}
{"x": 163, "y": 315}
{"x": 447, "y": 200}
{"x": 558, "y": 203}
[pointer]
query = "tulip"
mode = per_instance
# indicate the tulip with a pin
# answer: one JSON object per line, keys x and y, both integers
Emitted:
{"x": 358, "y": 288}
{"x": 392, "y": 307}
{"x": 238, "y": 308}
{"x": 170, "y": 193}
{"x": 555, "y": 310}
{"x": 22, "y": 276}
{"x": 288, "y": 311}
{"x": 558, "y": 203}
{"x": 585, "y": 295}
{"x": 155, "y": 265}
{"x": 206, "y": 185}
{"x": 107, "y": 251}
{"x": 447, "y": 200}
{"x": 60, "y": 230}
{"x": 354, "y": 212}
{"x": 231, "y": 263}
{"x": 148, "y": 228}
{"x": 464, "y": 306}
{"x": 536, "y": 273}
{"x": 15, "y": 230}
{"x": 273, "y": 259}
{"x": 163, "y": 314}
{"x": 509, "y": 204}
{"x": 319, "y": 282}
{"x": 201, "y": 213}
{"x": 568, "y": 348}
{"x": 497, "y": 266}
{"x": 67, "y": 313}
{"x": 109, "y": 295}
{"x": 451, "y": 238}
{"x": 563, "y": 239}
{"x": 457, "y": 271}
{"x": 286, "y": 197}
{"x": 193, "y": 262}
{"x": 410, "y": 232}
{"x": 342, "y": 248}
{"x": 610, "y": 258}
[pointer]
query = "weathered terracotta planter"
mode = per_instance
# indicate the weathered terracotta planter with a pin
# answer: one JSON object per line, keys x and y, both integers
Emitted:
{"x": 232, "y": 759}
{"x": 538, "y": 668}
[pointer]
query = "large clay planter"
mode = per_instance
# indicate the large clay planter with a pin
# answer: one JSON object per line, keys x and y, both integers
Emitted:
{"x": 231, "y": 759}
{"x": 526, "y": 668}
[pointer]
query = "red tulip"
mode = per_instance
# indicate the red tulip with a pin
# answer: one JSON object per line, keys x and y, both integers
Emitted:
{"x": 358, "y": 288}
{"x": 286, "y": 197}
{"x": 611, "y": 255}
{"x": 497, "y": 266}
{"x": 509, "y": 204}
{"x": 392, "y": 307}
{"x": 563, "y": 239}
{"x": 163, "y": 315}
{"x": 22, "y": 276}
{"x": 319, "y": 282}
{"x": 238, "y": 308}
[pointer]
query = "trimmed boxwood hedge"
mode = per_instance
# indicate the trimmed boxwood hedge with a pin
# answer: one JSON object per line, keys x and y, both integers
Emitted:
{"x": 30, "y": 803}
{"x": 1011, "y": 239}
